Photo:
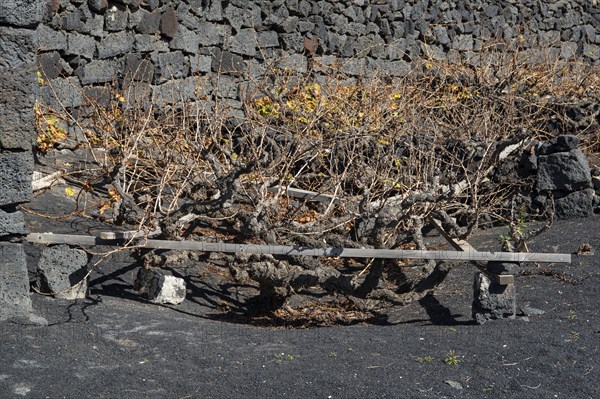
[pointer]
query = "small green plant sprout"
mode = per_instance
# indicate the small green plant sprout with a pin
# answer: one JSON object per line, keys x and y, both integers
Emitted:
{"x": 333, "y": 354}
{"x": 40, "y": 78}
{"x": 574, "y": 336}
{"x": 451, "y": 359}
{"x": 505, "y": 242}
{"x": 572, "y": 315}
{"x": 280, "y": 357}
{"x": 267, "y": 108}
{"x": 350, "y": 350}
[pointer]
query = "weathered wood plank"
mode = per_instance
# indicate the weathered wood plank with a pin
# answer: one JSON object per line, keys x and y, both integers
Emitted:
{"x": 502, "y": 279}
{"x": 46, "y": 238}
{"x": 127, "y": 235}
{"x": 72, "y": 239}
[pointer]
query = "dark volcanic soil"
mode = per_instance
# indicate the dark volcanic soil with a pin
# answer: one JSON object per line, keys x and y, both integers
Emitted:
{"x": 116, "y": 345}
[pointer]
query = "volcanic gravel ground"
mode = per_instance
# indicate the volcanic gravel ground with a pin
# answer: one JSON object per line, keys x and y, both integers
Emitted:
{"x": 116, "y": 345}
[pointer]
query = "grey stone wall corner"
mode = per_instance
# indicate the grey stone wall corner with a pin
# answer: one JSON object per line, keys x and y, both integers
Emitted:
{"x": 18, "y": 83}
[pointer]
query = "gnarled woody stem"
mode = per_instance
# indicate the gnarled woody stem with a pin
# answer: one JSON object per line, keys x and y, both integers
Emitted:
{"x": 278, "y": 279}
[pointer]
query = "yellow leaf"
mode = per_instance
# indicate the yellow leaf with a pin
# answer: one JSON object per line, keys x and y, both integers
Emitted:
{"x": 40, "y": 79}
{"x": 69, "y": 191}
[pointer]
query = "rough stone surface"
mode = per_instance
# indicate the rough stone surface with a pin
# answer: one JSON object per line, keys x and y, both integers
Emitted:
{"x": 138, "y": 69}
{"x": 98, "y": 5}
{"x": 139, "y": 95}
{"x": 17, "y": 120}
{"x": 503, "y": 268}
{"x": 93, "y": 26}
{"x": 226, "y": 62}
{"x": 71, "y": 21}
{"x": 115, "y": 18}
{"x": 12, "y": 223}
{"x": 19, "y": 88}
{"x": 160, "y": 288}
{"x": 62, "y": 272}
{"x": 185, "y": 39}
{"x": 566, "y": 142}
{"x": 50, "y": 65}
{"x": 116, "y": 44}
{"x": 15, "y": 177}
{"x": 578, "y": 204}
{"x": 47, "y": 38}
{"x": 565, "y": 171}
{"x": 171, "y": 65}
{"x": 492, "y": 300}
{"x": 97, "y": 71}
{"x": 62, "y": 93}
{"x": 100, "y": 95}
{"x": 150, "y": 44}
{"x": 174, "y": 91}
{"x": 226, "y": 87}
{"x": 200, "y": 63}
{"x": 268, "y": 39}
{"x": 169, "y": 23}
{"x": 23, "y": 13}
{"x": 213, "y": 35}
{"x": 366, "y": 38}
{"x": 243, "y": 43}
{"x": 83, "y": 45}
{"x": 17, "y": 47}
{"x": 14, "y": 282}
{"x": 149, "y": 22}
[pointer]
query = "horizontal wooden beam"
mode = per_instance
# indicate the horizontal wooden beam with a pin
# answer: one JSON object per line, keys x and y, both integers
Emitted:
{"x": 127, "y": 235}
{"x": 49, "y": 238}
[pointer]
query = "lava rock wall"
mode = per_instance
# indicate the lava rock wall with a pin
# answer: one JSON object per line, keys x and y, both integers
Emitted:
{"x": 18, "y": 85}
{"x": 563, "y": 173}
{"x": 163, "y": 46}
